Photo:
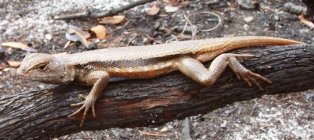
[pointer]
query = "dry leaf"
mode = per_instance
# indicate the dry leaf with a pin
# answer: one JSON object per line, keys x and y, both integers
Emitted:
{"x": 172, "y": 2}
{"x": 18, "y": 45}
{"x": 77, "y": 34}
{"x": 306, "y": 22}
{"x": 100, "y": 31}
{"x": 72, "y": 36}
{"x": 152, "y": 134}
{"x": 112, "y": 20}
{"x": 170, "y": 9}
{"x": 82, "y": 39}
{"x": 14, "y": 63}
{"x": 163, "y": 15}
{"x": 67, "y": 44}
{"x": 153, "y": 10}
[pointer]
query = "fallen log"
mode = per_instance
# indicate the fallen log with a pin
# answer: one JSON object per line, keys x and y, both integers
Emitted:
{"x": 145, "y": 102}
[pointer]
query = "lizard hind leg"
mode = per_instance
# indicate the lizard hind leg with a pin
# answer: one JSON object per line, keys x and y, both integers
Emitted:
{"x": 194, "y": 69}
{"x": 230, "y": 59}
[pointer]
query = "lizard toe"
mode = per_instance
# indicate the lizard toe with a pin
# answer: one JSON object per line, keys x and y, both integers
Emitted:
{"x": 82, "y": 97}
{"x": 77, "y": 112}
{"x": 77, "y": 104}
{"x": 251, "y": 78}
{"x": 86, "y": 105}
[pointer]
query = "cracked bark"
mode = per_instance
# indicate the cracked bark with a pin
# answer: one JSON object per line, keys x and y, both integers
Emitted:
{"x": 43, "y": 114}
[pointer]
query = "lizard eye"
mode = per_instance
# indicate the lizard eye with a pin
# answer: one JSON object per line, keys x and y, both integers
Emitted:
{"x": 42, "y": 67}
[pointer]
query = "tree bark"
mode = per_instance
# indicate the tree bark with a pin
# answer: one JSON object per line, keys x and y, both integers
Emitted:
{"x": 144, "y": 102}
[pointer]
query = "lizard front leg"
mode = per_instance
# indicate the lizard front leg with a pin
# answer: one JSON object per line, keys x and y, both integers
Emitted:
{"x": 99, "y": 80}
{"x": 196, "y": 70}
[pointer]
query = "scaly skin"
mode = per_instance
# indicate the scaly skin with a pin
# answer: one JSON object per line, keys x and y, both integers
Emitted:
{"x": 94, "y": 68}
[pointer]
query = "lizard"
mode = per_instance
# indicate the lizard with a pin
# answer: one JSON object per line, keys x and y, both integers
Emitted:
{"x": 96, "y": 67}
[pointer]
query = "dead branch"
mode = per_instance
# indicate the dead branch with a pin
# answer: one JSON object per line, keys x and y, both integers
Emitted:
{"x": 97, "y": 14}
{"x": 43, "y": 114}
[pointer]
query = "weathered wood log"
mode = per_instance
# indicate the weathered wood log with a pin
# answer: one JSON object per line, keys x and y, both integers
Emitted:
{"x": 145, "y": 102}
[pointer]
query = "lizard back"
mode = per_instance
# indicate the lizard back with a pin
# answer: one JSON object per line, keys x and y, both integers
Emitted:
{"x": 173, "y": 48}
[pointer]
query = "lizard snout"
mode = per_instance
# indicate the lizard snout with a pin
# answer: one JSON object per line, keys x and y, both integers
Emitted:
{"x": 20, "y": 71}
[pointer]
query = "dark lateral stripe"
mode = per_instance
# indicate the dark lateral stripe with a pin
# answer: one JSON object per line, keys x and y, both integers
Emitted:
{"x": 131, "y": 63}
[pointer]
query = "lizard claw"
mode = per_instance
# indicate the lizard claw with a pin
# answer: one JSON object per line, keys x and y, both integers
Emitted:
{"x": 250, "y": 77}
{"x": 82, "y": 97}
{"x": 88, "y": 103}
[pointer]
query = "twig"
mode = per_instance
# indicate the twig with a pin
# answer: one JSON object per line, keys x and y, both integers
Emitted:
{"x": 152, "y": 38}
{"x": 219, "y": 22}
{"x": 120, "y": 27}
{"x": 67, "y": 44}
{"x": 186, "y": 131}
{"x": 94, "y": 14}
{"x": 132, "y": 39}
{"x": 152, "y": 134}
{"x": 212, "y": 13}
{"x": 233, "y": 5}
{"x": 194, "y": 28}
{"x": 185, "y": 26}
{"x": 174, "y": 38}
{"x": 83, "y": 14}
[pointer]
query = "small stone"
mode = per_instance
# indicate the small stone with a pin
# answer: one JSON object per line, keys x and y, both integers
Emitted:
{"x": 213, "y": 2}
{"x": 41, "y": 86}
{"x": 276, "y": 17}
{"x": 6, "y": 69}
{"x": 164, "y": 129}
{"x": 249, "y": 4}
{"x": 48, "y": 37}
{"x": 170, "y": 127}
{"x": 224, "y": 124}
{"x": 293, "y": 8}
{"x": 248, "y": 19}
{"x": 171, "y": 9}
{"x": 156, "y": 25}
{"x": 9, "y": 32}
{"x": 245, "y": 27}
{"x": 146, "y": 40}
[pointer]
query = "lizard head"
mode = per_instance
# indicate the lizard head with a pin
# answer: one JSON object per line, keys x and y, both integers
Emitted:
{"x": 46, "y": 68}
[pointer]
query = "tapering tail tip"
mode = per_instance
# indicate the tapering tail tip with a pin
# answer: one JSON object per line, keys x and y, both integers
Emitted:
{"x": 294, "y": 41}
{"x": 282, "y": 41}
{"x": 266, "y": 40}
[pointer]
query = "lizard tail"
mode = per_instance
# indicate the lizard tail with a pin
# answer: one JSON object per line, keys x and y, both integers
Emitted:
{"x": 265, "y": 40}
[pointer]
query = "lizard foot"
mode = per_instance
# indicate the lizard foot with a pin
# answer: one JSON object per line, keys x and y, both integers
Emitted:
{"x": 250, "y": 78}
{"x": 243, "y": 73}
{"x": 89, "y": 102}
